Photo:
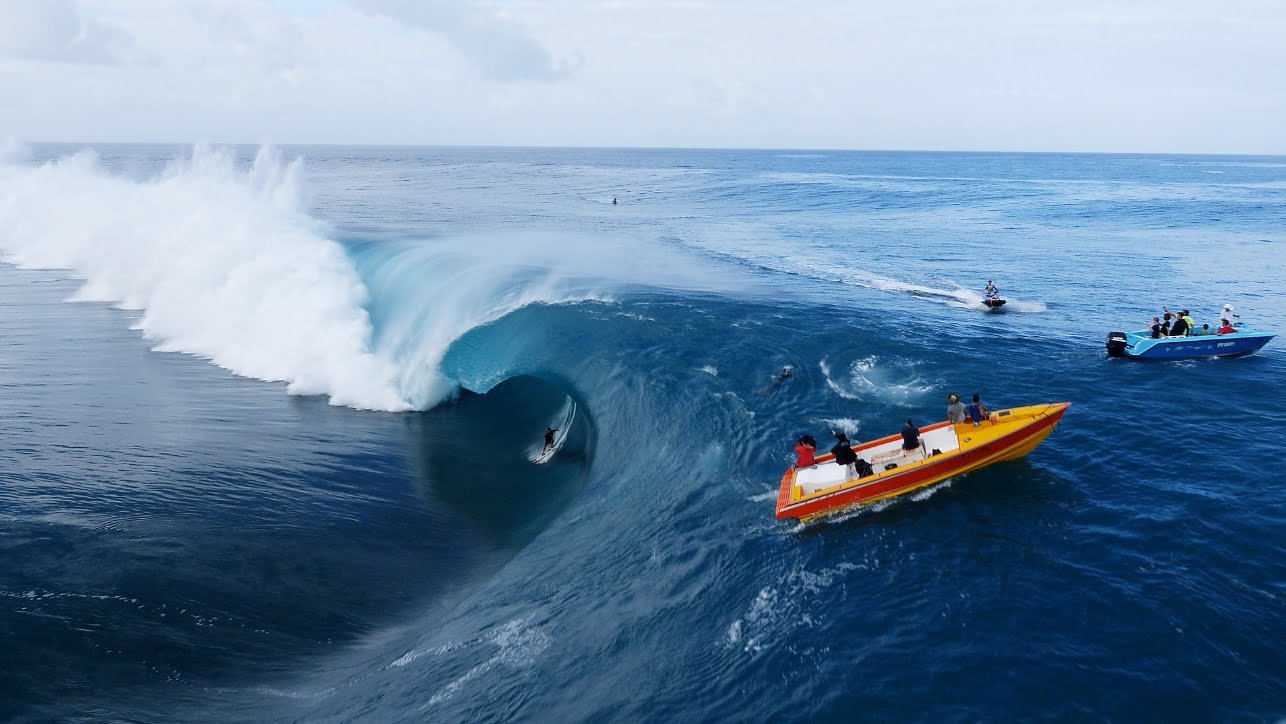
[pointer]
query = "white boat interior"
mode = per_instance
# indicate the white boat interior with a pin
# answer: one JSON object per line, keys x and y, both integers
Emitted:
{"x": 830, "y": 474}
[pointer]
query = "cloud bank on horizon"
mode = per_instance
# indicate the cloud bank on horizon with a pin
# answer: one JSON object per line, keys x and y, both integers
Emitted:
{"x": 1193, "y": 76}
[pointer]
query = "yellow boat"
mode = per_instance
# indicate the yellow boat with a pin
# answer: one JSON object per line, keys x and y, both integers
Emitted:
{"x": 946, "y": 450}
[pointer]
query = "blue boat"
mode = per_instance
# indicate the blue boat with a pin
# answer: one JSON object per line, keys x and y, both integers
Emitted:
{"x": 1141, "y": 344}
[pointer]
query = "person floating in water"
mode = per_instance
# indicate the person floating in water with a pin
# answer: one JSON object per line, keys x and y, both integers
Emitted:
{"x": 613, "y": 201}
{"x": 549, "y": 437}
{"x": 991, "y": 291}
{"x": 785, "y": 375}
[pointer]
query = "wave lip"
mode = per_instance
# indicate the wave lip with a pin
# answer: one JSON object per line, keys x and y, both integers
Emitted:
{"x": 223, "y": 263}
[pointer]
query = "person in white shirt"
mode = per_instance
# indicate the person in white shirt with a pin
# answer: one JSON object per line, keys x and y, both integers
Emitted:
{"x": 1228, "y": 314}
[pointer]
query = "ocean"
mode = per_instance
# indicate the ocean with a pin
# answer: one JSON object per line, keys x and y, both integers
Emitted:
{"x": 268, "y": 418}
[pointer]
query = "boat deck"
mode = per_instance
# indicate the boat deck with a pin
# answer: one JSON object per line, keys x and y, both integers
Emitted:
{"x": 881, "y": 456}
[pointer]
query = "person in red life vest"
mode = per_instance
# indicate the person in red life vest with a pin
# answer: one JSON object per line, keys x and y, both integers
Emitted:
{"x": 1227, "y": 327}
{"x": 804, "y": 450}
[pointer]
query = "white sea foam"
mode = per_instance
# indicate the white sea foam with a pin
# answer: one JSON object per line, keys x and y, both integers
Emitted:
{"x": 871, "y": 377}
{"x": 782, "y": 607}
{"x": 222, "y": 261}
{"x": 846, "y": 425}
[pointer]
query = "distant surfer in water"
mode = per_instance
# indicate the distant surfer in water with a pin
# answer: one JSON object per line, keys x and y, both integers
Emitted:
{"x": 549, "y": 437}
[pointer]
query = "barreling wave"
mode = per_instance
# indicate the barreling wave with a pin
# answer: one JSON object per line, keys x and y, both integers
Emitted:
{"x": 224, "y": 262}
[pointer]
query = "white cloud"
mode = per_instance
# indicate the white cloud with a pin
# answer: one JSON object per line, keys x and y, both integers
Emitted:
{"x": 1097, "y": 75}
{"x": 499, "y": 47}
{"x": 54, "y": 30}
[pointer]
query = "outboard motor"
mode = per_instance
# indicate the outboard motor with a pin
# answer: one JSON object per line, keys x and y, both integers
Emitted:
{"x": 1116, "y": 344}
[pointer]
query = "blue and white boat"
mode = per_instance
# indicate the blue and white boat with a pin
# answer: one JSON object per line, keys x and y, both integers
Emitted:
{"x": 1141, "y": 344}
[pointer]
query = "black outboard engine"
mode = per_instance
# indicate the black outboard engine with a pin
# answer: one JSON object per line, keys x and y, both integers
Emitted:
{"x": 1116, "y": 344}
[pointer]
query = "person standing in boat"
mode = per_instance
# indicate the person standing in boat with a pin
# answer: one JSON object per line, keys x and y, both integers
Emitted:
{"x": 910, "y": 436}
{"x": 1228, "y": 313}
{"x": 957, "y": 413}
{"x": 844, "y": 455}
{"x": 804, "y": 450}
{"x": 1180, "y": 326}
{"x": 977, "y": 411}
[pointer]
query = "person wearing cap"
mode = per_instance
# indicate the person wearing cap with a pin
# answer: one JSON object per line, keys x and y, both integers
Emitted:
{"x": 1180, "y": 326}
{"x": 1228, "y": 313}
{"x": 844, "y": 455}
{"x": 957, "y": 413}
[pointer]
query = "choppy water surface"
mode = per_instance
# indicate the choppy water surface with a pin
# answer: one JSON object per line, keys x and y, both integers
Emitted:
{"x": 268, "y": 421}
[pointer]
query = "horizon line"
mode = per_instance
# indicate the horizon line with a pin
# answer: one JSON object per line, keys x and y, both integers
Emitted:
{"x": 261, "y": 144}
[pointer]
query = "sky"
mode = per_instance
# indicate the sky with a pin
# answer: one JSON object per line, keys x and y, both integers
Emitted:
{"x": 1164, "y": 76}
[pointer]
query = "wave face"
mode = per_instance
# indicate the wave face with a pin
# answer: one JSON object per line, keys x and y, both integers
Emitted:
{"x": 269, "y": 556}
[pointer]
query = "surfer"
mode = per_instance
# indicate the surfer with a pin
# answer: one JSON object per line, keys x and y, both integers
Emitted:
{"x": 549, "y": 438}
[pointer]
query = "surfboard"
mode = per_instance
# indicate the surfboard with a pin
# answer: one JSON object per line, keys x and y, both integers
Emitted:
{"x": 545, "y": 454}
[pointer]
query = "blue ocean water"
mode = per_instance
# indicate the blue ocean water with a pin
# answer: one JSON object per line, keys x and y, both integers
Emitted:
{"x": 267, "y": 421}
